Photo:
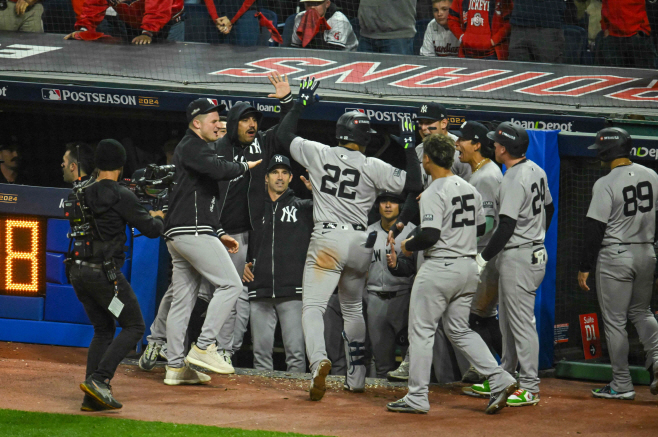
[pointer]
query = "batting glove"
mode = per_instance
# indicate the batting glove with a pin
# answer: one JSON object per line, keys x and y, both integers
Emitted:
{"x": 407, "y": 137}
{"x": 481, "y": 263}
{"x": 307, "y": 91}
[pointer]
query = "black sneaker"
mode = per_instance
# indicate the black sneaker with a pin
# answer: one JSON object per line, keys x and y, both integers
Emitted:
{"x": 90, "y": 404}
{"x": 498, "y": 400}
{"x": 654, "y": 384}
{"x": 101, "y": 392}
{"x": 401, "y": 406}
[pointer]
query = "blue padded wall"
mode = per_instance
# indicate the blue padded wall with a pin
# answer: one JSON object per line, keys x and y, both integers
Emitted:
{"x": 21, "y": 307}
{"x": 62, "y": 305}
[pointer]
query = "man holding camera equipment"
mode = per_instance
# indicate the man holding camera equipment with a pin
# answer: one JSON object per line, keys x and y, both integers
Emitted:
{"x": 193, "y": 228}
{"x": 99, "y": 228}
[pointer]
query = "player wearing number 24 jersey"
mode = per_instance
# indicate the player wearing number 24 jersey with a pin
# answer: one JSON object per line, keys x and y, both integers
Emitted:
{"x": 621, "y": 225}
{"x": 345, "y": 186}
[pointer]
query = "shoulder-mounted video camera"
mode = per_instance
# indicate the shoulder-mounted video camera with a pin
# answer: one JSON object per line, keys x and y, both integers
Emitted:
{"x": 152, "y": 184}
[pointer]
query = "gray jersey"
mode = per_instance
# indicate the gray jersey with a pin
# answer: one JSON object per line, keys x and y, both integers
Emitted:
{"x": 454, "y": 207}
{"x": 523, "y": 194}
{"x": 461, "y": 169}
{"x": 379, "y": 278}
{"x": 487, "y": 181}
{"x": 625, "y": 199}
{"x": 345, "y": 182}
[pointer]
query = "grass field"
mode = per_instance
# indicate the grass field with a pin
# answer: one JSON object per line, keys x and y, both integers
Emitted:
{"x": 26, "y": 424}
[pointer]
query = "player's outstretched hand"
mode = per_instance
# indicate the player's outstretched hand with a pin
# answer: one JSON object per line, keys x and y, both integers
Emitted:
{"x": 307, "y": 91}
{"x": 403, "y": 248}
{"x": 407, "y": 133}
{"x": 248, "y": 274}
{"x": 231, "y": 243}
{"x": 281, "y": 85}
{"x": 582, "y": 280}
{"x": 392, "y": 258}
{"x": 308, "y": 184}
{"x": 391, "y": 234}
{"x": 253, "y": 164}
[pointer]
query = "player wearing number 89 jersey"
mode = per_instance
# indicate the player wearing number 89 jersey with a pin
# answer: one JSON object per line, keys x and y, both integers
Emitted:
{"x": 525, "y": 204}
{"x": 621, "y": 224}
{"x": 345, "y": 186}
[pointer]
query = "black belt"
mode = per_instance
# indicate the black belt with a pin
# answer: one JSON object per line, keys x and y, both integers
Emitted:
{"x": 533, "y": 244}
{"x": 451, "y": 257}
{"x": 86, "y": 264}
{"x": 355, "y": 226}
{"x": 388, "y": 294}
{"x": 623, "y": 244}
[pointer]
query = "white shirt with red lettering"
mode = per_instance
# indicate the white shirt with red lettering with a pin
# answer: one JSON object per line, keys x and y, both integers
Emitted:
{"x": 341, "y": 33}
{"x": 439, "y": 41}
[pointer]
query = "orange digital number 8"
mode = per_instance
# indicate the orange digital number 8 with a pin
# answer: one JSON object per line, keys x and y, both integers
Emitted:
{"x": 31, "y": 255}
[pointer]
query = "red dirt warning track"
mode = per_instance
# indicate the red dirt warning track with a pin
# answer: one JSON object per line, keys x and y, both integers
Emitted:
{"x": 46, "y": 378}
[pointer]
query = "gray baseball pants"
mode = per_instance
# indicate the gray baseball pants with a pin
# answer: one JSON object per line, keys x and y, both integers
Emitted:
{"x": 194, "y": 258}
{"x": 444, "y": 288}
{"x": 387, "y": 317}
{"x": 264, "y": 315}
{"x": 624, "y": 282}
{"x": 333, "y": 337}
{"x": 335, "y": 257}
{"x": 518, "y": 283}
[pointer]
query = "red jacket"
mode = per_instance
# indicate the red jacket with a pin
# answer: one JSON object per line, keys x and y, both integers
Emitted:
{"x": 624, "y": 17}
{"x": 476, "y": 22}
{"x": 150, "y": 15}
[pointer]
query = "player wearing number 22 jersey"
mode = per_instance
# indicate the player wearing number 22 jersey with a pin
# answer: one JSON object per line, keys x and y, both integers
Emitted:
{"x": 621, "y": 225}
{"x": 345, "y": 186}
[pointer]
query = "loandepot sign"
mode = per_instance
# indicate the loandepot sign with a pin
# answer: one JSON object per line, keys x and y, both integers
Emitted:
{"x": 644, "y": 152}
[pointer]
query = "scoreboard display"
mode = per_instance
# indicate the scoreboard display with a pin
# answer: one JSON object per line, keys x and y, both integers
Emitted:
{"x": 22, "y": 255}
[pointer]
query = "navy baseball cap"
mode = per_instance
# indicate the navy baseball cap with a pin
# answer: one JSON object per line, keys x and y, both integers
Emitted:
{"x": 472, "y": 131}
{"x": 432, "y": 111}
{"x": 203, "y": 106}
{"x": 278, "y": 160}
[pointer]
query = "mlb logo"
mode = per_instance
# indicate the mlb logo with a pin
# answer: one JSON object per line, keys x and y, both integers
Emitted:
{"x": 215, "y": 102}
{"x": 362, "y": 111}
{"x": 51, "y": 94}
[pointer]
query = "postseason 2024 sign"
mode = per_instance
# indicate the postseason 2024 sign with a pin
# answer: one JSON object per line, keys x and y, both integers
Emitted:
{"x": 343, "y": 74}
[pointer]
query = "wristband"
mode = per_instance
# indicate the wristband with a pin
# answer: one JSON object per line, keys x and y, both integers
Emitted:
{"x": 147, "y": 33}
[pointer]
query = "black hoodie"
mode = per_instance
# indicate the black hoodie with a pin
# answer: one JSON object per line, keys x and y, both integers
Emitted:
{"x": 115, "y": 206}
{"x": 245, "y": 195}
{"x": 193, "y": 201}
{"x": 281, "y": 246}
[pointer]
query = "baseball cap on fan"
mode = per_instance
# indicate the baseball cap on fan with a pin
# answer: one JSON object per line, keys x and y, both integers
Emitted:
{"x": 432, "y": 111}
{"x": 202, "y": 106}
{"x": 472, "y": 131}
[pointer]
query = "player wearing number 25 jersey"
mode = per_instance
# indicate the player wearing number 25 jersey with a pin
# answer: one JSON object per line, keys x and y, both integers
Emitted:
{"x": 621, "y": 225}
{"x": 345, "y": 186}
{"x": 451, "y": 219}
{"x": 525, "y": 204}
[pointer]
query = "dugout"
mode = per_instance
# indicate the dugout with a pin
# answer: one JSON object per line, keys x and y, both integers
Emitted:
{"x": 55, "y": 91}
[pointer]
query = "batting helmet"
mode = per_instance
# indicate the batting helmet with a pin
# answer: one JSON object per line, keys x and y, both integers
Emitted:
{"x": 612, "y": 143}
{"x": 512, "y": 137}
{"x": 354, "y": 127}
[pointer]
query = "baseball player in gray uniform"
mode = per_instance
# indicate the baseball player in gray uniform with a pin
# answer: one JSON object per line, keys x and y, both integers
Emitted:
{"x": 476, "y": 150}
{"x": 621, "y": 225}
{"x": 451, "y": 218}
{"x": 388, "y": 294}
{"x": 432, "y": 118}
{"x": 345, "y": 186}
{"x": 526, "y": 209}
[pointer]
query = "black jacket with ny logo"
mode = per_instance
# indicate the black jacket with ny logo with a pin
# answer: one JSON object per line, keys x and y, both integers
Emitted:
{"x": 279, "y": 247}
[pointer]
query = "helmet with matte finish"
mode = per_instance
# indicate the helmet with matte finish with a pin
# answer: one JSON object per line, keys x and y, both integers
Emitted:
{"x": 512, "y": 137}
{"x": 354, "y": 127}
{"x": 612, "y": 143}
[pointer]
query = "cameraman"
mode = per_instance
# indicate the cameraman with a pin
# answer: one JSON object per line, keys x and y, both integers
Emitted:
{"x": 112, "y": 207}
{"x": 193, "y": 229}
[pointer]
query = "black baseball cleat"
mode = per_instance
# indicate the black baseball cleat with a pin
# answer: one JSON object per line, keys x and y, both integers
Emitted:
{"x": 101, "y": 392}
{"x": 89, "y": 404}
{"x": 498, "y": 400}
{"x": 401, "y": 406}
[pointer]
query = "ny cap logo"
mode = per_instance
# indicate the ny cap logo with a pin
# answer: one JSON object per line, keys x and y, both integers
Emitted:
{"x": 423, "y": 108}
{"x": 278, "y": 158}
